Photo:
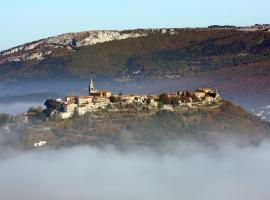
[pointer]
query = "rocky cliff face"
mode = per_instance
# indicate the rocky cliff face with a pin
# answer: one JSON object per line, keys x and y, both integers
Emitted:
{"x": 38, "y": 50}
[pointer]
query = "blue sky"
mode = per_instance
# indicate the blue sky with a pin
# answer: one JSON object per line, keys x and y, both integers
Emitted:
{"x": 27, "y": 20}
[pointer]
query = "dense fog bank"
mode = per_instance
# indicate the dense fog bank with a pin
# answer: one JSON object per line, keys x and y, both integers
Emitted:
{"x": 184, "y": 170}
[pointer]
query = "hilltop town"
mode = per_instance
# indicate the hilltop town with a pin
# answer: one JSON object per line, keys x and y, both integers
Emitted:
{"x": 98, "y": 100}
{"x": 126, "y": 120}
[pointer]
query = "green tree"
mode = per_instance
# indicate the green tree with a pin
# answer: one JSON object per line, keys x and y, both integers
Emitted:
{"x": 175, "y": 101}
{"x": 165, "y": 98}
{"x": 52, "y": 104}
{"x": 115, "y": 99}
{"x": 4, "y": 118}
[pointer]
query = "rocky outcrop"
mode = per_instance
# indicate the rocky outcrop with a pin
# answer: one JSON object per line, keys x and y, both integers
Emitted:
{"x": 39, "y": 49}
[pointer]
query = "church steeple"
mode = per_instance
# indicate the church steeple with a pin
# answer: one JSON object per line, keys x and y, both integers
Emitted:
{"x": 91, "y": 86}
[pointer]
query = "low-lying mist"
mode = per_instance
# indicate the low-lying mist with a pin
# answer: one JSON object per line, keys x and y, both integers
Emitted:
{"x": 184, "y": 170}
{"x": 18, "y": 108}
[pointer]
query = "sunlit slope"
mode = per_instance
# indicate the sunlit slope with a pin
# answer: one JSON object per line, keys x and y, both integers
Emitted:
{"x": 153, "y": 54}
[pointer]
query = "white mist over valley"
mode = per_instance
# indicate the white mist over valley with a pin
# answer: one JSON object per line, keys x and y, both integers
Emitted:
{"x": 182, "y": 170}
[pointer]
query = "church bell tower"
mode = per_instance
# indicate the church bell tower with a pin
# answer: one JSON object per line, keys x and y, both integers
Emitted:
{"x": 91, "y": 86}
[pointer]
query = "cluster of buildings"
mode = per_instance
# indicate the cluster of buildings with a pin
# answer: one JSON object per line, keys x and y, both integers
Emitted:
{"x": 40, "y": 143}
{"x": 105, "y": 99}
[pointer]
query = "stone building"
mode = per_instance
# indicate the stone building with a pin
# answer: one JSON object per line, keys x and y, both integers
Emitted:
{"x": 104, "y": 99}
{"x": 98, "y": 93}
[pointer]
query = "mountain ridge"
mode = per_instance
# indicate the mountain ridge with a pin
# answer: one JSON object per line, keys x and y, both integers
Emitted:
{"x": 92, "y": 37}
{"x": 139, "y": 53}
